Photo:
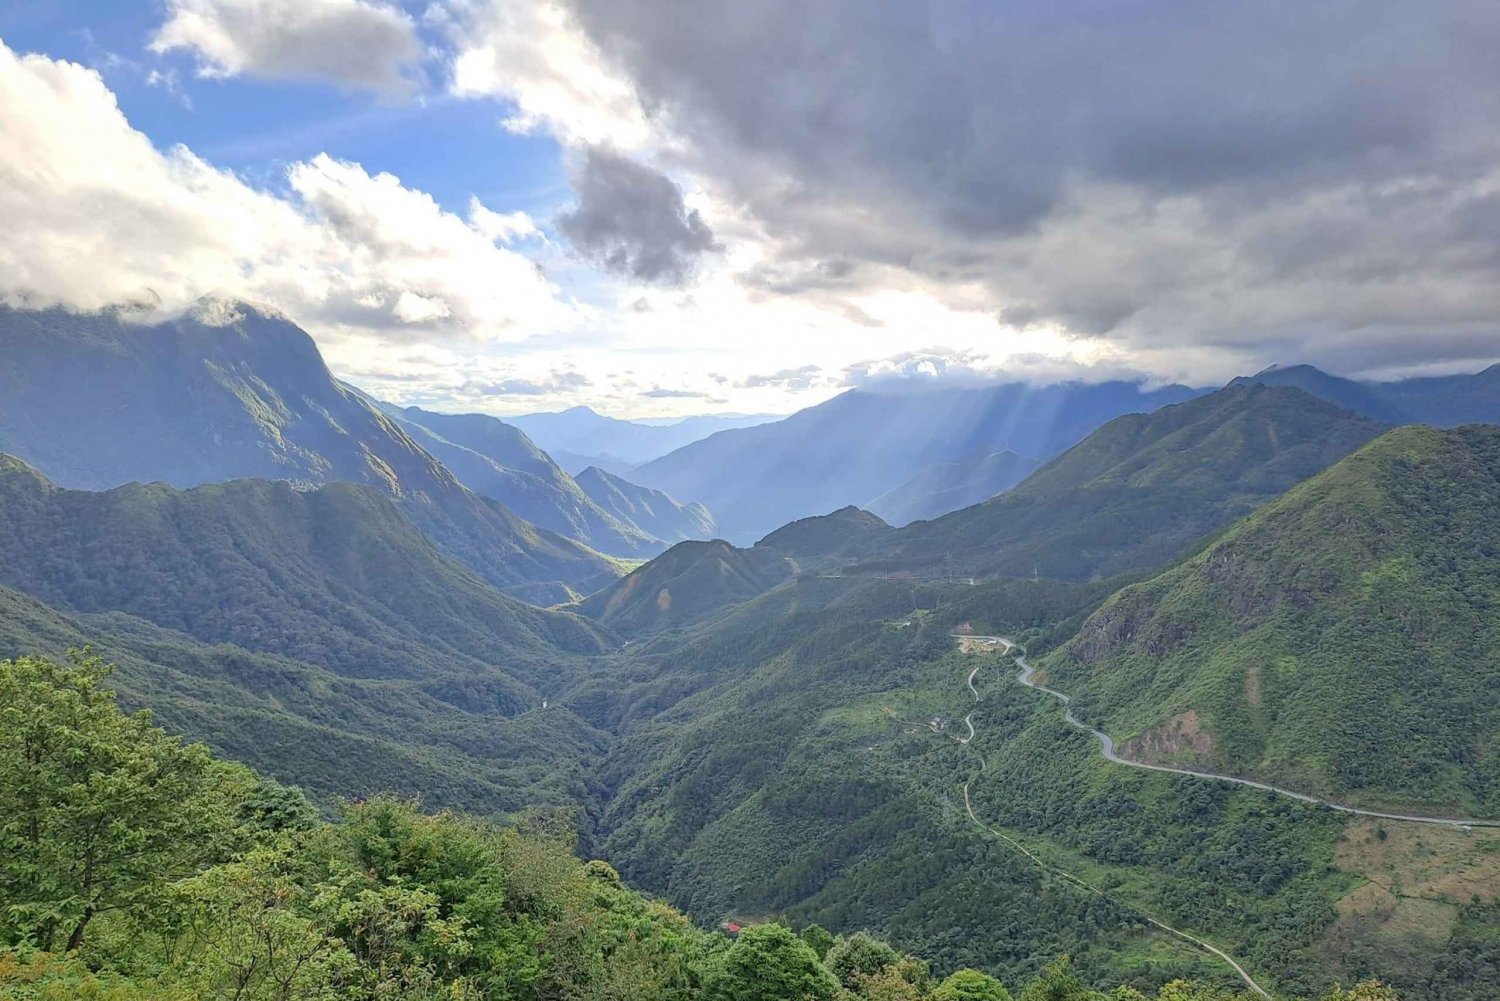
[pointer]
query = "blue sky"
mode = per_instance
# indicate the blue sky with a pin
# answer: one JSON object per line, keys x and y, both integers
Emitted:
{"x": 448, "y": 147}
{"x": 516, "y": 205}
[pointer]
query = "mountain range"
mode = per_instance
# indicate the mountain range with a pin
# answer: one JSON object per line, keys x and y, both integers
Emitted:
{"x": 1268, "y": 580}
{"x": 1138, "y": 491}
{"x": 228, "y": 391}
{"x": 499, "y": 461}
{"x": 314, "y": 633}
{"x": 858, "y": 446}
{"x": 579, "y": 437}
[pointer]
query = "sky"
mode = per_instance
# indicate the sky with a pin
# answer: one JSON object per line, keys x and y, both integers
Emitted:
{"x": 658, "y": 209}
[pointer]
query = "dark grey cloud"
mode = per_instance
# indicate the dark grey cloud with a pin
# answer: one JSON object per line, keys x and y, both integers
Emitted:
{"x": 1263, "y": 177}
{"x": 632, "y": 220}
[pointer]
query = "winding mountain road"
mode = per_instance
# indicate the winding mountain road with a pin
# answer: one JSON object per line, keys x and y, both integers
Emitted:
{"x": 1076, "y": 880}
{"x": 1107, "y": 749}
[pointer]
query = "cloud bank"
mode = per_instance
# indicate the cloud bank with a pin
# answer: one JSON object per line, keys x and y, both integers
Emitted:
{"x": 354, "y": 43}
{"x": 94, "y": 214}
{"x": 1247, "y": 183}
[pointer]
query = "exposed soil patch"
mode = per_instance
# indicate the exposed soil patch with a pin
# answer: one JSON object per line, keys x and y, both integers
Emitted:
{"x": 1180, "y": 739}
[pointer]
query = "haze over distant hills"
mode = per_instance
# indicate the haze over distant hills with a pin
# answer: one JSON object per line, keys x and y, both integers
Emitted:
{"x": 1443, "y": 401}
{"x": 579, "y": 437}
{"x": 767, "y": 728}
{"x": 858, "y": 446}
{"x": 948, "y": 486}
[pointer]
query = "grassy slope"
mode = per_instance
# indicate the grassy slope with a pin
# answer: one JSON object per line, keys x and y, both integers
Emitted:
{"x": 688, "y": 581}
{"x": 1341, "y": 640}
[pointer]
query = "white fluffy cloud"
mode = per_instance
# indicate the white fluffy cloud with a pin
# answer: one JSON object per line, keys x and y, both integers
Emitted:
{"x": 354, "y": 43}
{"x": 532, "y": 54}
{"x": 94, "y": 214}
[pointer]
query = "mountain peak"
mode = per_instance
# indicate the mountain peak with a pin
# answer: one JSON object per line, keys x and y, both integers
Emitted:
{"x": 215, "y": 310}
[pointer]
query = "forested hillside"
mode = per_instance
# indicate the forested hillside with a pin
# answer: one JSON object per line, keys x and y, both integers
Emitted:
{"x": 1342, "y": 639}
{"x": 234, "y": 887}
{"x": 1139, "y": 491}
{"x": 652, "y": 510}
{"x": 500, "y": 462}
{"x": 335, "y": 576}
{"x": 688, "y": 581}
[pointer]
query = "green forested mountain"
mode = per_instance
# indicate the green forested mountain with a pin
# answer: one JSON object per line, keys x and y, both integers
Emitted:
{"x": 948, "y": 486}
{"x": 651, "y": 510}
{"x": 334, "y": 576}
{"x": 1341, "y": 640}
{"x": 1444, "y": 401}
{"x": 233, "y": 888}
{"x": 496, "y": 460}
{"x": 782, "y": 731}
{"x": 228, "y": 392}
{"x": 1140, "y": 490}
{"x": 845, "y": 532}
{"x": 688, "y": 581}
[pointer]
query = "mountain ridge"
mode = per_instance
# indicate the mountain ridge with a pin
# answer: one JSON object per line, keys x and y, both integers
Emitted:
{"x": 228, "y": 392}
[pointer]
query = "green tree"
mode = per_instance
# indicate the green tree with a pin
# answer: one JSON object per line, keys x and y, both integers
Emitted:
{"x": 1370, "y": 990}
{"x": 820, "y": 939}
{"x": 1058, "y": 983}
{"x": 769, "y": 963}
{"x": 859, "y": 955}
{"x": 99, "y": 811}
{"x": 970, "y": 985}
{"x": 245, "y": 930}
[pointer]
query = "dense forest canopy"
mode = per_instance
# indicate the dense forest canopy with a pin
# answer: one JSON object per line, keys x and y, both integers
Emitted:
{"x": 139, "y": 867}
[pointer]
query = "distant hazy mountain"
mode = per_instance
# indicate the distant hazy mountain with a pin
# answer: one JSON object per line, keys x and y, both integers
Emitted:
{"x": 1341, "y": 640}
{"x": 650, "y": 510}
{"x": 1450, "y": 400}
{"x": 1140, "y": 490}
{"x": 578, "y": 437}
{"x": 864, "y": 443}
{"x": 499, "y": 461}
{"x": 948, "y": 486}
{"x": 1443, "y": 401}
{"x": 228, "y": 392}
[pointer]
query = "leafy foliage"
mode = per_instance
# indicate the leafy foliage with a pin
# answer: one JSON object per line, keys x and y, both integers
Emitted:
{"x": 244, "y": 896}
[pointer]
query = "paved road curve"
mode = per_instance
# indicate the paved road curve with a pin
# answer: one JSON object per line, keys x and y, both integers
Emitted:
{"x": 1107, "y": 748}
{"x": 1076, "y": 880}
